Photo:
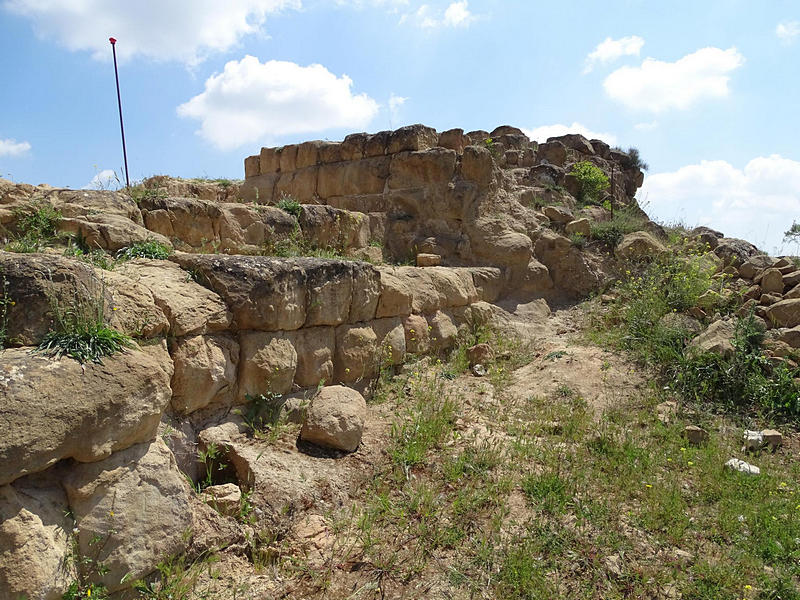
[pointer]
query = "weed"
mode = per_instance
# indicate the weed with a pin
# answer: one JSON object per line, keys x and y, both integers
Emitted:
{"x": 210, "y": 457}
{"x": 290, "y": 205}
{"x": 77, "y": 248}
{"x": 177, "y": 578}
{"x": 5, "y": 303}
{"x": 140, "y": 193}
{"x": 82, "y": 332}
{"x": 35, "y": 227}
{"x": 636, "y": 159}
{"x": 148, "y": 249}
{"x": 612, "y": 231}
{"x": 592, "y": 181}
{"x": 578, "y": 240}
{"x": 490, "y": 145}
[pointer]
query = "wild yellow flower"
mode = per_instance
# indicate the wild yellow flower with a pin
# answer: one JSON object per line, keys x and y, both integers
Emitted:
{"x": 690, "y": 463}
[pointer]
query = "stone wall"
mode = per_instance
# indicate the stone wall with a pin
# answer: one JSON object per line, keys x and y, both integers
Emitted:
{"x": 457, "y": 195}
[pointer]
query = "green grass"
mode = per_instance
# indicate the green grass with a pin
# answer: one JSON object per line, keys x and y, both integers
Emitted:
{"x": 35, "y": 227}
{"x": 612, "y": 231}
{"x": 82, "y": 331}
{"x": 148, "y": 249}
{"x": 290, "y": 205}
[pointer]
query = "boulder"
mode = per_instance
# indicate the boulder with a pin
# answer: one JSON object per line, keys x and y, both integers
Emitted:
{"x": 189, "y": 307}
{"x": 785, "y": 313}
{"x": 136, "y": 503}
{"x": 34, "y": 539}
{"x": 38, "y": 285}
{"x": 205, "y": 372}
{"x": 417, "y": 335}
{"x": 559, "y": 214}
{"x": 639, "y": 245}
{"x": 754, "y": 265}
{"x": 109, "y": 232}
{"x": 412, "y": 137}
{"x": 479, "y": 354}
{"x": 428, "y": 260}
{"x": 772, "y": 281}
{"x": 132, "y": 308}
{"x": 553, "y": 152}
{"x": 578, "y": 227}
{"x": 54, "y": 410}
{"x": 735, "y": 251}
{"x": 395, "y": 298}
{"x": 391, "y": 340}
{"x": 442, "y": 331}
{"x": 335, "y": 419}
{"x": 717, "y": 338}
{"x": 695, "y": 435}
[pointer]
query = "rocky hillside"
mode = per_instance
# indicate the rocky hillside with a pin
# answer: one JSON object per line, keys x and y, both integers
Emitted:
{"x": 215, "y": 370}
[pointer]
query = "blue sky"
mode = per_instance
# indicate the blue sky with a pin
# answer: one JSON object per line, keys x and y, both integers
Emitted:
{"x": 708, "y": 91}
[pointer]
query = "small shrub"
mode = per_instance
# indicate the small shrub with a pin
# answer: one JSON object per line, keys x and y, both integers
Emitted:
{"x": 611, "y": 232}
{"x": 636, "y": 159}
{"x": 148, "y": 249}
{"x": 592, "y": 181}
{"x": 139, "y": 193}
{"x": 578, "y": 240}
{"x": 36, "y": 227}
{"x": 290, "y": 205}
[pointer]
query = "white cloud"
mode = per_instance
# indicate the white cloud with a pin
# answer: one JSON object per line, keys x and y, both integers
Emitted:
{"x": 757, "y": 203}
{"x": 393, "y": 5}
{"x": 540, "y": 134}
{"x": 10, "y": 147}
{"x": 788, "y": 31}
{"x": 252, "y": 101}
{"x": 104, "y": 180}
{"x": 457, "y": 14}
{"x": 395, "y": 102}
{"x": 647, "y": 126}
{"x": 657, "y": 86}
{"x": 610, "y": 50}
{"x": 181, "y": 30}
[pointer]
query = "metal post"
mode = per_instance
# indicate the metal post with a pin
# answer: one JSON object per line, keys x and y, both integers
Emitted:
{"x": 612, "y": 190}
{"x": 119, "y": 103}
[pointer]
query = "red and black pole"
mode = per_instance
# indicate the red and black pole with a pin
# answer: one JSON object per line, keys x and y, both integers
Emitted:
{"x": 119, "y": 103}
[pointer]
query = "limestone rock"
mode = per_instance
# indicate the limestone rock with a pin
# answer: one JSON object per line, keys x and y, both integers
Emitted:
{"x": 443, "y": 332}
{"x": 133, "y": 309}
{"x": 772, "y": 438}
{"x": 109, "y": 231}
{"x": 559, "y": 214}
{"x": 136, "y": 502}
{"x": 37, "y": 282}
{"x": 734, "y": 464}
{"x": 205, "y": 372}
{"x": 479, "y": 354}
{"x": 639, "y": 245}
{"x": 785, "y": 313}
{"x": 225, "y": 498}
{"x": 335, "y": 419}
{"x": 391, "y": 340}
{"x": 578, "y": 227}
{"x": 754, "y": 265}
{"x": 717, "y": 338}
{"x": 60, "y": 409}
{"x": 417, "y": 336}
{"x": 315, "y": 347}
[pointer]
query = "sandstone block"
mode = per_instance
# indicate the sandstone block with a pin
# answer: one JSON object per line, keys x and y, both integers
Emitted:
{"x": 418, "y": 339}
{"x": 355, "y": 178}
{"x": 268, "y": 364}
{"x": 454, "y": 139}
{"x": 391, "y": 339}
{"x": 225, "y": 498}
{"x": 428, "y": 260}
{"x": 559, "y": 214}
{"x": 395, "y": 298}
{"x": 269, "y": 161}
{"x": 785, "y": 313}
{"x": 252, "y": 166}
{"x": 307, "y": 154}
{"x": 315, "y": 347}
{"x": 288, "y": 158}
{"x": 205, "y": 372}
{"x": 579, "y": 226}
{"x": 412, "y": 137}
{"x": 717, "y": 338}
{"x": 442, "y": 331}
{"x": 356, "y": 353}
{"x": 639, "y": 245}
